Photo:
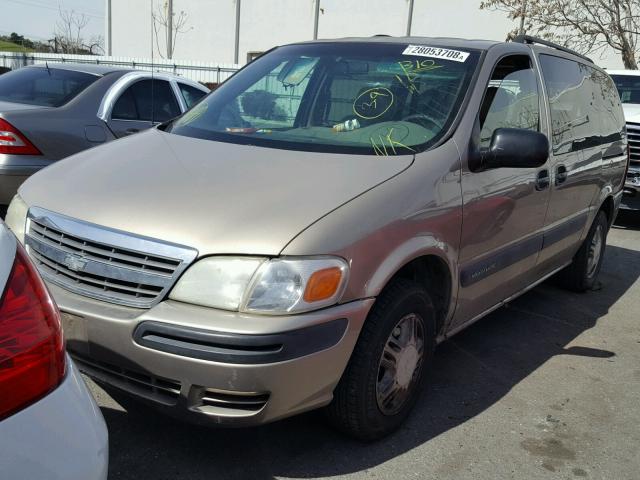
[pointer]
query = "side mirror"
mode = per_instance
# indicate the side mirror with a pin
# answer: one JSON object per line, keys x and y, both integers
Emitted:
{"x": 515, "y": 148}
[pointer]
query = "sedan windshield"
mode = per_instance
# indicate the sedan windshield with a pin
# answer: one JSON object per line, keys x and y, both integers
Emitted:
{"x": 46, "y": 87}
{"x": 376, "y": 99}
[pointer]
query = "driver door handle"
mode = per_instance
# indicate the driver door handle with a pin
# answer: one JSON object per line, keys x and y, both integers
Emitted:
{"x": 542, "y": 180}
{"x": 561, "y": 174}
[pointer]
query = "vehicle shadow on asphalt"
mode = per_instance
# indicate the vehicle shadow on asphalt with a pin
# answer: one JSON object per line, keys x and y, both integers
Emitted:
{"x": 628, "y": 220}
{"x": 470, "y": 373}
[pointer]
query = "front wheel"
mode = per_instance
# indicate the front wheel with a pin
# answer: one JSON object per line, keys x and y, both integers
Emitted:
{"x": 384, "y": 377}
{"x": 581, "y": 275}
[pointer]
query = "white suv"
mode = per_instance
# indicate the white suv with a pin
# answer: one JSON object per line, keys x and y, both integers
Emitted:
{"x": 628, "y": 84}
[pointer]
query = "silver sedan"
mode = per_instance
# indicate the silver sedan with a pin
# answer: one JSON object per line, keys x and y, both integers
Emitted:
{"x": 48, "y": 112}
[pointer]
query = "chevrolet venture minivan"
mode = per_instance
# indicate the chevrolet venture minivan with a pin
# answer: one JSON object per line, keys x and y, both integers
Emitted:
{"x": 309, "y": 232}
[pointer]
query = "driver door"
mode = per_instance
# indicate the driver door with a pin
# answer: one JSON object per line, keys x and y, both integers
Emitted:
{"x": 503, "y": 208}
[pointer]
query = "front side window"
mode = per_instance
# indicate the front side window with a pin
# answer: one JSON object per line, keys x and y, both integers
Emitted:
{"x": 147, "y": 100}
{"x": 382, "y": 99}
{"x": 511, "y": 99}
{"x": 46, "y": 87}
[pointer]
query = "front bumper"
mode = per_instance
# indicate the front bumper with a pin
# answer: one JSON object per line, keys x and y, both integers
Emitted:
{"x": 60, "y": 437}
{"x": 209, "y": 365}
{"x": 631, "y": 190}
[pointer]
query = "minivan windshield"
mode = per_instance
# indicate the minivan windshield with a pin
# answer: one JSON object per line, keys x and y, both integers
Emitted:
{"x": 46, "y": 87}
{"x": 366, "y": 98}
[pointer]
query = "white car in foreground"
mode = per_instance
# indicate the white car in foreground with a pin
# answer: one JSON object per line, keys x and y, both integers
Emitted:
{"x": 50, "y": 426}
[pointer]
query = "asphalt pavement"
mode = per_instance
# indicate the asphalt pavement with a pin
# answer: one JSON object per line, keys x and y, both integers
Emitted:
{"x": 545, "y": 388}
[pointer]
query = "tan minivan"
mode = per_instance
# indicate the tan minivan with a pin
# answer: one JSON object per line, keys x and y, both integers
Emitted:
{"x": 309, "y": 232}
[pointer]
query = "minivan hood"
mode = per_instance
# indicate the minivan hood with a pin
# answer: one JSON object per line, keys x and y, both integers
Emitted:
{"x": 216, "y": 197}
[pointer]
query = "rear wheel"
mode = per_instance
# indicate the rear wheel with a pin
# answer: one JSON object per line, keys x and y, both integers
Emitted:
{"x": 384, "y": 377}
{"x": 581, "y": 275}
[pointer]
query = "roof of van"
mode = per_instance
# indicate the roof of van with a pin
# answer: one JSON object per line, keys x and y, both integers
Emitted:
{"x": 448, "y": 41}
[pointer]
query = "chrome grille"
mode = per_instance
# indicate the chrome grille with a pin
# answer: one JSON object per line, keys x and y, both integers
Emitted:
{"x": 633, "y": 136}
{"x": 102, "y": 263}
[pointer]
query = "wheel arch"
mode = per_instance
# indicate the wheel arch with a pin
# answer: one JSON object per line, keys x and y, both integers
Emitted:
{"x": 430, "y": 267}
{"x": 608, "y": 207}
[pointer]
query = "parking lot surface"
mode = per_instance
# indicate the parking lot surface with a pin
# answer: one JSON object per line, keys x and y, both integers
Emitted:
{"x": 547, "y": 387}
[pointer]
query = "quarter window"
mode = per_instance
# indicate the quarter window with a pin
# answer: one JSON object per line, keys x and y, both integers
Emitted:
{"x": 190, "y": 94}
{"x": 511, "y": 99}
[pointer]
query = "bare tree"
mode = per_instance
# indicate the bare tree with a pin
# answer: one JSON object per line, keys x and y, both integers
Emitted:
{"x": 95, "y": 45}
{"x": 161, "y": 26}
{"x": 588, "y": 26}
{"x": 68, "y": 31}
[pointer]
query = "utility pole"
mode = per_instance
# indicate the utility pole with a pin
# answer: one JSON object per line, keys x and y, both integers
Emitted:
{"x": 523, "y": 14}
{"x": 169, "y": 6}
{"x": 108, "y": 33}
{"x": 236, "y": 52}
{"x": 316, "y": 19}
{"x": 410, "y": 18}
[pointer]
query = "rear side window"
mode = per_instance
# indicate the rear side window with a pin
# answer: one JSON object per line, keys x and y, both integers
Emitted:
{"x": 585, "y": 110}
{"x": 608, "y": 106}
{"x": 147, "y": 100}
{"x": 511, "y": 99}
{"x": 50, "y": 87}
{"x": 190, "y": 94}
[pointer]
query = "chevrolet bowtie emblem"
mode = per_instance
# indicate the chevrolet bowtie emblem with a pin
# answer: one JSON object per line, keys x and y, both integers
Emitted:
{"x": 74, "y": 262}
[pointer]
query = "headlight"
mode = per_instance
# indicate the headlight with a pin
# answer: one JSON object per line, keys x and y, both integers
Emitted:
{"x": 296, "y": 285}
{"x": 218, "y": 282}
{"x": 16, "y": 218}
{"x": 277, "y": 286}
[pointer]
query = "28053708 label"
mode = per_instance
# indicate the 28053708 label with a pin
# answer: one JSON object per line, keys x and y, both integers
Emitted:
{"x": 436, "y": 52}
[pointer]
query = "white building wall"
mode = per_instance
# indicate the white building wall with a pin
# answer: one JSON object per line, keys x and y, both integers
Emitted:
{"x": 267, "y": 23}
{"x": 130, "y": 28}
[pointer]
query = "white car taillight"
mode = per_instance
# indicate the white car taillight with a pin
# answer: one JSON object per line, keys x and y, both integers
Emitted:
{"x": 32, "y": 358}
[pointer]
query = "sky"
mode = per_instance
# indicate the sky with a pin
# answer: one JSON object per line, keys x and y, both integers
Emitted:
{"x": 36, "y": 19}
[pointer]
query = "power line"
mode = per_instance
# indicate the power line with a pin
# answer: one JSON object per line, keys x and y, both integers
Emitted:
{"x": 33, "y": 3}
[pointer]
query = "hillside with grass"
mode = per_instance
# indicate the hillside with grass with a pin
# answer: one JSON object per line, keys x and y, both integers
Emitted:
{"x": 12, "y": 47}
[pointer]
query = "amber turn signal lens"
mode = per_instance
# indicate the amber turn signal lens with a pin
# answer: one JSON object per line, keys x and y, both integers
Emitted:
{"x": 322, "y": 284}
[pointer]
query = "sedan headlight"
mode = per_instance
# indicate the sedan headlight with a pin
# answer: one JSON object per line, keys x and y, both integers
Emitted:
{"x": 16, "y": 218}
{"x": 274, "y": 287}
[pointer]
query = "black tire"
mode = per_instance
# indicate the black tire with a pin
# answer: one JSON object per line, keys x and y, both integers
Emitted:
{"x": 355, "y": 409}
{"x": 581, "y": 275}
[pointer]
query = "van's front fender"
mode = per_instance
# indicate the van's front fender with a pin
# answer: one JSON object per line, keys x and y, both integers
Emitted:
{"x": 416, "y": 213}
